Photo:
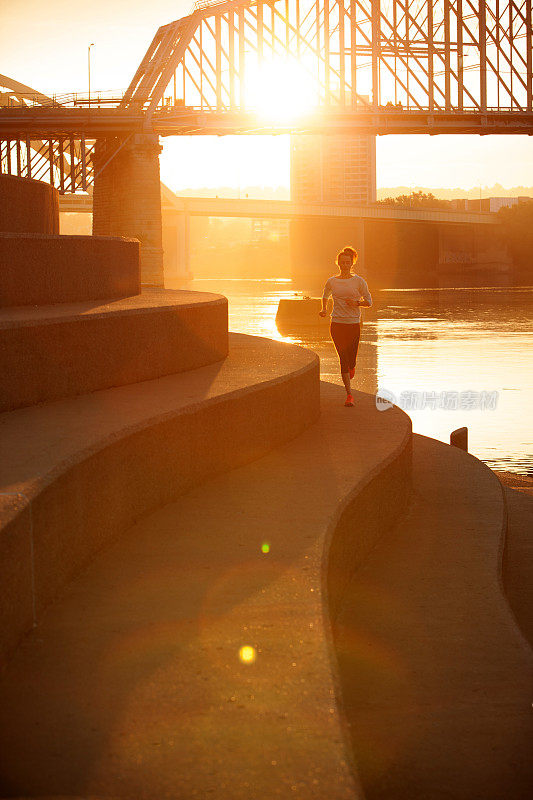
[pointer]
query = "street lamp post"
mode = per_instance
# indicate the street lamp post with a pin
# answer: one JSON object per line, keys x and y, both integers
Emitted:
{"x": 89, "y": 69}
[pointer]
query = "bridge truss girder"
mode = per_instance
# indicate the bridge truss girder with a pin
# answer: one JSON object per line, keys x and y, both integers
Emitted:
{"x": 63, "y": 161}
{"x": 409, "y": 55}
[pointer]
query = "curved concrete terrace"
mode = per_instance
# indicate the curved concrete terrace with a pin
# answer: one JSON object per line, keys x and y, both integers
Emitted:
{"x": 77, "y": 472}
{"x": 436, "y": 676}
{"x": 132, "y": 686}
{"x": 55, "y": 351}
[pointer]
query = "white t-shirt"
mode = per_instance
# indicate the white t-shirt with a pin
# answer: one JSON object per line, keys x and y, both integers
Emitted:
{"x": 342, "y": 290}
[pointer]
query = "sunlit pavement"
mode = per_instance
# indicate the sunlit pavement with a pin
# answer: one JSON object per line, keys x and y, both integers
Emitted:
{"x": 192, "y": 658}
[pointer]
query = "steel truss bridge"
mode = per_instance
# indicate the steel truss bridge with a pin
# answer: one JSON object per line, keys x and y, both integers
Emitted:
{"x": 371, "y": 67}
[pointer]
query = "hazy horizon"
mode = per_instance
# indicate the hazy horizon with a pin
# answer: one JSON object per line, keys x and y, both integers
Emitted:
{"x": 282, "y": 192}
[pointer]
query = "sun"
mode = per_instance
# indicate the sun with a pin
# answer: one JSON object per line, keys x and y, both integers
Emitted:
{"x": 280, "y": 89}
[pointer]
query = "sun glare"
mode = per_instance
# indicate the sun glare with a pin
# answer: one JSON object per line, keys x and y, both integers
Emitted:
{"x": 280, "y": 90}
{"x": 247, "y": 654}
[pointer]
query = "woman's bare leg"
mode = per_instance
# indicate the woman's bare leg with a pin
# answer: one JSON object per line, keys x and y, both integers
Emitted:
{"x": 346, "y": 380}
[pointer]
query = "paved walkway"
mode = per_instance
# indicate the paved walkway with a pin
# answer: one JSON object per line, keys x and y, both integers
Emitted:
{"x": 132, "y": 685}
{"x": 437, "y": 678}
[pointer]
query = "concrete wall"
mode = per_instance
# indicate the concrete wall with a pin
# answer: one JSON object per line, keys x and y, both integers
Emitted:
{"x": 314, "y": 245}
{"x": 401, "y": 254}
{"x": 296, "y": 311}
{"x": 37, "y": 269}
{"x": 49, "y": 354}
{"x": 16, "y": 573}
{"x": 83, "y": 504}
{"x": 472, "y": 255}
{"x": 370, "y": 511}
{"x": 392, "y": 254}
{"x": 28, "y": 206}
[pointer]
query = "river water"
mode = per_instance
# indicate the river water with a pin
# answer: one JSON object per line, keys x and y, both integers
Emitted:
{"x": 448, "y": 357}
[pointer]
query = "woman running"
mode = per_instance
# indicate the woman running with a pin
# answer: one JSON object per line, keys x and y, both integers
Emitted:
{"x": 347, "y": 290}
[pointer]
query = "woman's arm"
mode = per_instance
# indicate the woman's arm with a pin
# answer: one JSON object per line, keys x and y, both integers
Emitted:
{"x": 367, "y": 301}
{"x": 325, "y": 295}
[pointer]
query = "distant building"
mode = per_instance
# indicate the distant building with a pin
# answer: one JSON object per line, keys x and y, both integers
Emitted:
{"x": 333, "y": 168}
{"x": 495, "y": 203}
{"x": 487, "y": 204}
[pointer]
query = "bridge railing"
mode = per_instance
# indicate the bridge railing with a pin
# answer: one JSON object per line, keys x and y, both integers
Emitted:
{"x": 67, "y": 100}
{"x": 199, "y": 5}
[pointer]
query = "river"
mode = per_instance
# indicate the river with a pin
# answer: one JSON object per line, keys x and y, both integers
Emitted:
{"x": 448, "y": 357}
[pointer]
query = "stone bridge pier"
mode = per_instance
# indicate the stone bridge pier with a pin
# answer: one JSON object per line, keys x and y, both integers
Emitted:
{"x": 176, "y": 245}
{"x": 127, "y": 198}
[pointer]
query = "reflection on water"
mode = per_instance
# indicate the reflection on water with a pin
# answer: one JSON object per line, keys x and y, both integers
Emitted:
{"x": 424, "y": 345}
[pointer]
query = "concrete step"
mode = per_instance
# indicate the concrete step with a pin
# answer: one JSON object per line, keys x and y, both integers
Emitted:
{"x": 38, "y": 269}
{"x": 51, "y": 352}
{"x": 76, "y": 472}
{"x": 436, "y": 676}
{"x": 133, "y": 685}
{"x": 28, "y": 206}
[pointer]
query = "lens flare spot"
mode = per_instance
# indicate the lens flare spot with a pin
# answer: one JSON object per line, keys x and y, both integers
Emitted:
{"x": 247, "y": 654}
{"x": 265, "y": 547}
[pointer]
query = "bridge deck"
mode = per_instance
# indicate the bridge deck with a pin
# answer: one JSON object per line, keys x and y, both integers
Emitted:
{"x": 170, "y": 121}
{"x": 287, "y": 209}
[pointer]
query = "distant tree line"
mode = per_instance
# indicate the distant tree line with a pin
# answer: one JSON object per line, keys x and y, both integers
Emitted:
{"x": 415, "y": 200}
{"x": 453, "y": 193}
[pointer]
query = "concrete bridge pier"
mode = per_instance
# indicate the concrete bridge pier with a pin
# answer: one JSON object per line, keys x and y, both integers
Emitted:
{"x": 127, "y": 198}
{"x": 176, "y": 245}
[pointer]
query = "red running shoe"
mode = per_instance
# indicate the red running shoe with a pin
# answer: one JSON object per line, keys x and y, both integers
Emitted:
{"x": 349, "y": 400}
{"x": 352, "y": 373}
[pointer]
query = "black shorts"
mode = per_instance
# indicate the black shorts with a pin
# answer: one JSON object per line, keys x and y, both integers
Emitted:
{"x": 346, "y": 340}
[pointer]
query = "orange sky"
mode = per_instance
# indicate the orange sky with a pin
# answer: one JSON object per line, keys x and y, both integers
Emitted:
{"x": 44, "y": 43}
